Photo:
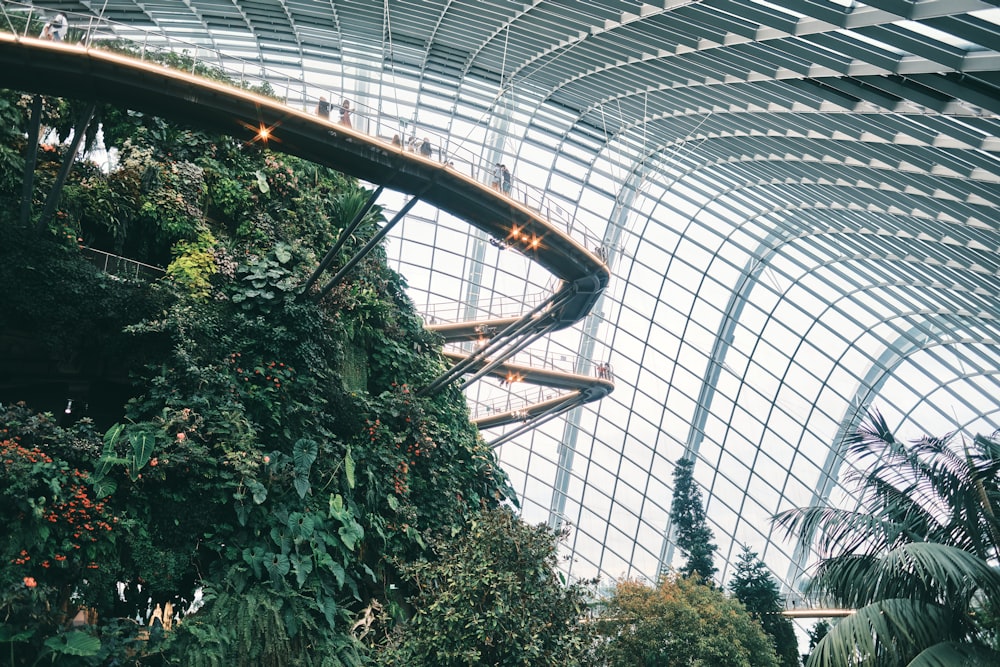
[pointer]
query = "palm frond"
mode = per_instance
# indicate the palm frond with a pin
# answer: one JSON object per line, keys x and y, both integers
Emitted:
{"x": 886, "y": 632}
{"x": 908, "y": 509}
{"x": 948, "y": 654}
{"x": 845, "y": 579}
{"x": 934, "y": 573}
{"x": 933, "y": 489}
{"x": 837, "y": 531}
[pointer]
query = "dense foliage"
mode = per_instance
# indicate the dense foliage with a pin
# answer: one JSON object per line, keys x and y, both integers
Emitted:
{"x": 755, "y": 586}
{"x": 917, "y": 559}
{"x": 273, "y": 466}
{"x": 680, "y": 622}
{"x": 491, "y": 596}
{"x": 690, "y": 526}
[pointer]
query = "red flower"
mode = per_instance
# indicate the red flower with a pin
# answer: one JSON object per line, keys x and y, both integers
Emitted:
{"x": 30, "y": 582}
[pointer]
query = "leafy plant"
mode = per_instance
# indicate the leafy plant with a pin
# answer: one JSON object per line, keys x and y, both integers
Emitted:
{"x": 491, "y": 596}
{"x": 680, "y": 622}
{"x": 917, "y": 560}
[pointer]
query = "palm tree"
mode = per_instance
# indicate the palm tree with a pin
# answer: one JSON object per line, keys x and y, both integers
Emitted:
{"x": 917, "y": 560}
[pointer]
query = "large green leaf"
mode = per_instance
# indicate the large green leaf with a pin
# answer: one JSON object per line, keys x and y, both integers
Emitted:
{"x": 104, "y": 487}
{"x": 143, "y": 443}
{"x": 77, "y": 643}
{"x": 282, "y": 253}
{"x": 257, "y": 490}
{"x": 948, "y": 654}
{"x": 301, "y": 483}
{"x": 108, "y": 457}
{"x": 277, "y": 565}
{"x": 304, "y": 453}
{"x": 254, "y": 556}
{"x": 349, "y": 468}
{"x": 9, "y": 633}
{"x": 301, "y": 566}
{"x": 301, "y": 526}
{"x": 262, "y": 182}
{"x": 350, "y": 532}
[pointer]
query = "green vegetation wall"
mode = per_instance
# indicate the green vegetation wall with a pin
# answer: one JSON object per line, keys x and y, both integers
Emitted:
{"x": 260, "y": 454}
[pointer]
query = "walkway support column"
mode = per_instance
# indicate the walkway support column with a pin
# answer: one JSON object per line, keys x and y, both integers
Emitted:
{"x": 30, "y": 159}
{"x": 78, "y": 132}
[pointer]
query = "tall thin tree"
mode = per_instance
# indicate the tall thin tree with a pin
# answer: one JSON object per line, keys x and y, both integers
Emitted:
{"x": 691, "y": 531}
{"x": 755, "y": 586}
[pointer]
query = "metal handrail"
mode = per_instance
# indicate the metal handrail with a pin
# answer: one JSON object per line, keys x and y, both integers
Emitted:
{"x": 113, "y": 264}
{"x": 102, "y": 33}
{"x": 154, "y": 46}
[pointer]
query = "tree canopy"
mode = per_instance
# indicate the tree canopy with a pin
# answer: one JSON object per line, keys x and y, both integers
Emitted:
{"x": 678, "y": 623}
{"x": 492, "y": 597}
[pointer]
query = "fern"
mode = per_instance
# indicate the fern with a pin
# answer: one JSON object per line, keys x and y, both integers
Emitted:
{"x": 262, "y": 627}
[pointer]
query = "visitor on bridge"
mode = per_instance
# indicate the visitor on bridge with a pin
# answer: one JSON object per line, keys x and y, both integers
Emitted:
{"x": 425, "y": 148}
{"x": 60, "y": 26}
{"x": 323, "y": 108}
{"x": 345, "y": 113}
{"x": 497, "y": 176}
{"x": 506, "y": 179}
{"x": 396, "y": 141}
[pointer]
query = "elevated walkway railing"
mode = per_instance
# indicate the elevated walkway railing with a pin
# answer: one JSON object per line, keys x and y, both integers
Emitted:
{"x": 498, "y": 307}
{"x": 368, "y": 115}
{"x": 121, "y": 267}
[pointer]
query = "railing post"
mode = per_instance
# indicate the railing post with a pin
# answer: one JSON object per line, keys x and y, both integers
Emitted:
{"x": 27, "y": 24}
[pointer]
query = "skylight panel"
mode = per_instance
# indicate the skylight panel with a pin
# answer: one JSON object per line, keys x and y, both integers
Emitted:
{"x": 937, "y": 35}
{"x": 850, "y": 34}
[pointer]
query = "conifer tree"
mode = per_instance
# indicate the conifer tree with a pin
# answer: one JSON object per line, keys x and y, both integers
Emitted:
{"x": 687, "y": 515}
{"x": 754, "y": 586}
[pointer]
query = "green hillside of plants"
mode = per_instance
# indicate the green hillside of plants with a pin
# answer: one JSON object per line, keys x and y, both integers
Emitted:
{"x": 244, "y": 449}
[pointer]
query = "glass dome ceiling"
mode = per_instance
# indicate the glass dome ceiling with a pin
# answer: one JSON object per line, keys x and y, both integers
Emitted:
{"x": 798, "y": 204}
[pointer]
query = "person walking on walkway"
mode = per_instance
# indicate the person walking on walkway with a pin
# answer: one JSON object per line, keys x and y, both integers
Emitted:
{"x": 425, "y": 148}
{"x": 323, "y": 108}
{"x": 497, "y": 176}
{"x": 345, "y": 113}
{"x": 59, "y": 27}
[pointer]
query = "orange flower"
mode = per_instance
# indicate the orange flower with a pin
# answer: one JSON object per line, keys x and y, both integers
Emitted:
{"x": 30, "y": 582}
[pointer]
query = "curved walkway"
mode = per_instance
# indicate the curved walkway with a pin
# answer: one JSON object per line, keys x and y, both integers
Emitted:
{"x": 90, "y": 74}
